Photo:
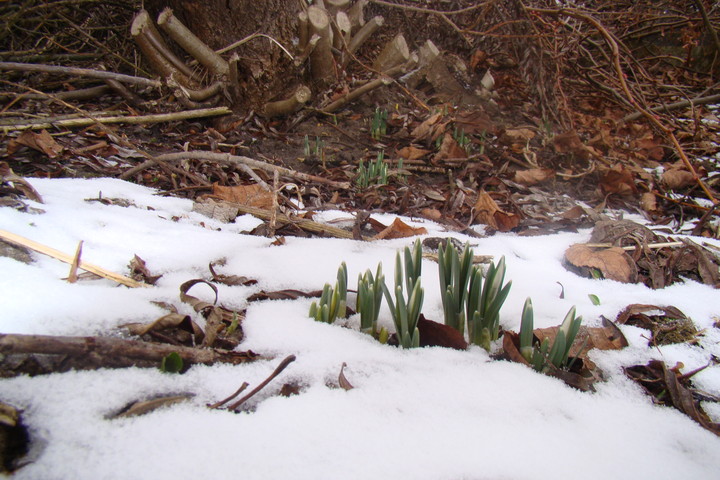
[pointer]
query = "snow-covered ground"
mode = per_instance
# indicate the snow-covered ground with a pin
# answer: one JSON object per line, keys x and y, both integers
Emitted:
{"x": 429, "y": 413}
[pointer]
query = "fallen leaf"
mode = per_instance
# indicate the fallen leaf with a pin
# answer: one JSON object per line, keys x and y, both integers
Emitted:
{"x": 412, "y": 153}
{"x": 399, "y": 229}
{"x": 140, "y": 272}
{"x": 283, "y": 295}
{"x": 516, "y": 136}
{"x": 570, "y": 143}
{"x": 533, "y": 176}
{"x": 667, "y": 323}
{"x": 618, "y": 180}
{"x": 676, "y": 179}
{"x": 430, "y": 128}
{"x": 648, "y": 202}
{"x": 42, "y": 142}
{"x": 614, "y": 263}
{"x": 450, "y": 149}
{"x": 142, "y": 407}
{"x": 488, "y": 213}
{"x": 434, "y": 334}
{"x": 251, "y": 195}
{"x": 342, "y": 380}
{"x": 231, "y": 280}
{"x": 431, "y": 214}
{"x": 667, "y": 388}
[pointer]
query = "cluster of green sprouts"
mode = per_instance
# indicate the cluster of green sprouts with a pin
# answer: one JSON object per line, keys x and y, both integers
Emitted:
{"x": 469, "y": 296}
{"x": 333, "y": 300}
{"x": 376, "y": 173}
{"x": 369, "y": 300}
{"x": 378, "y": 124}
{"x": 543, "y": 356}
{"x": 405, "y": 309}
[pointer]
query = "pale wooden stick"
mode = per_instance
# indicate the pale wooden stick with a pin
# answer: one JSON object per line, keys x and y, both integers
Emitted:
{"x": 64, "y": 257}
{"x": 130, "y": 120}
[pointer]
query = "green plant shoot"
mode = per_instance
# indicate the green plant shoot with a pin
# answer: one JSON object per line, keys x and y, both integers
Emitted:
{"x": 333, "y": 301}
{"x": 455, "y": 271}
{"x": 406, "y": 313}
{"x": 486, "y": 297}
{"x": 369, "y": 299}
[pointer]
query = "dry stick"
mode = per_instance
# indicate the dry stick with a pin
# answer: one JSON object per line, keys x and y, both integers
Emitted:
{"x": 64, "y": 257}
{"x": 385, "y": 79}
{"x": 126, "y": 119}
{"x": 141, "y": 31}
{"x": 287, "y": 361}
{"x": 225, "y": 400}
{"x": 234, "y": 160}
{"x": 615, "y": 51}
{"x": 79, "y": 72}
{"x": 674, "y": 106}
{"x": 79, "y": 94}
{"x": 429, "y": 10}
{"x": 302, "y": 223}
{"x": 116, "y": 351}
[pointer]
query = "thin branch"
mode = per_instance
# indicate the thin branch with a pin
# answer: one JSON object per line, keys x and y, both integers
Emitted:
{"x": 79, "y": 72}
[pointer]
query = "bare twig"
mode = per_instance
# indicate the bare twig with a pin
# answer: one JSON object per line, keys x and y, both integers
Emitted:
{"x": 283, "y": 365}
{"x": 235, "y": 160}
{"x": 79, "y": 72}
{"x": 127, "y": 119}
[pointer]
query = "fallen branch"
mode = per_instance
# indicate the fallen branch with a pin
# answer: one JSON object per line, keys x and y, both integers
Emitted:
{"x": 126, "y": 119}
{"x": 79, "y": 72}
{"x": 384, "y": 79}
{"x": 234, "y": 160}
{"x": 64, "y": 257}
{"x": 674, "y": 106}
{"x": 304, "y": 223}
{"x": 106, "y": 352}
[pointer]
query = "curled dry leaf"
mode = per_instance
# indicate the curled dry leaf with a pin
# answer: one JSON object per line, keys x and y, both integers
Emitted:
{"x": 677, "y": 179}
{"x": 182, "y": 324}
{"x": 533, "y": 176}
{"x": 42, "y": 142}
{"x": 434, "y": 334}
{"x": 139, "y": 271}
{"x": 283, "y": 295}
{"x": 450, "y": 149}
{"x": 618, "y": 180}
{"x": 412, "y": 153}
{"x": 251, "y": 195}
{"x": 430, "y": 128}
{"x": 146, "y": 406}
{"x": 668, "y": 387}
{"x": 488, "y": 213}
{"x": 397, "y": 229}
{"x": 231, "y": 280}
{"x": 222, "y": 326}
{"x": 668, "y": 324}
{"x": 342, "y": 380}
{"x": 8, "y": 176}
{"x": 614, "y": 263}
{"x": 519, "y": 136}
{"x": 570, "y": 143}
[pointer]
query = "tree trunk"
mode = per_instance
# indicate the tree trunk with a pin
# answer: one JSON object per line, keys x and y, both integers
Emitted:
{"x": 265, "y": 71}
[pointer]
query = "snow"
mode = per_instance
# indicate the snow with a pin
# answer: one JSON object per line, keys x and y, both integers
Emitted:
{"x": 429, "y": 413}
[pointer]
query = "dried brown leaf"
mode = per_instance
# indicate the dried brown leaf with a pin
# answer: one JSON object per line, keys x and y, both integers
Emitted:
{"x": 399, "y": 229}
{"x": 677, "y": 179}
{"x": 488, "y": 213}
{"x": 412, "y": 153}
{"x": 533, "y": 176}
{"x": 614, "y": 263}
{"x": 250, "y": 195}
{"x": 618, "y": 180}
{"x": 449, "y": 149}
{"x": 42, "y": 142}
{"x": 342, "y": 380}
{"x": 434, "y": 334}
{"x": 231, "y": 280}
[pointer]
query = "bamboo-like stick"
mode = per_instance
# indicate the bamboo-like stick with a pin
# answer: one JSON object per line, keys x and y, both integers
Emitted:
{"x": 130, "y": 120}
{"x": 289, "y": 105}
{"x": 64, "y": 257}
